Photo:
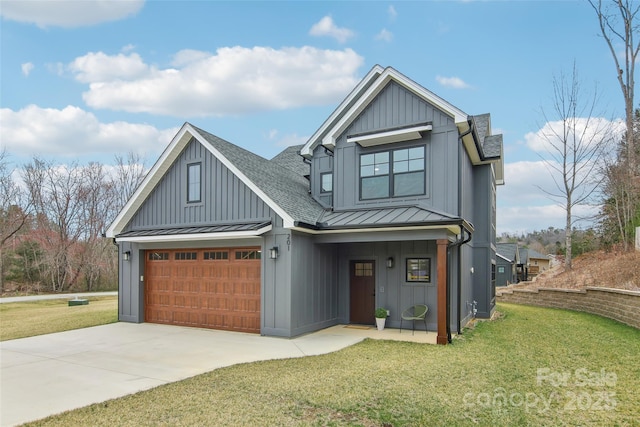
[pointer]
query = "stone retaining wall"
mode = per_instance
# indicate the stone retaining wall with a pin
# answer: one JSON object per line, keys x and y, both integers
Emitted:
{"x": 617, "y": 304}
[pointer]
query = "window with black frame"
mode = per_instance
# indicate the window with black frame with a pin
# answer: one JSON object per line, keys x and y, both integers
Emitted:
{"x": 393, "y": 173}
{"x": 193, "y": 183}
{"x": 419, "y": 270}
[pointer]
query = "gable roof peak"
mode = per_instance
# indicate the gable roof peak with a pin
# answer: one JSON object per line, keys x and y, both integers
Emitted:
{"x": 363, "y": 94}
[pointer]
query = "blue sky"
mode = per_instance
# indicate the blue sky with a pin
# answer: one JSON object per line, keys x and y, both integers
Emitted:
{"x": 84, "y": 80}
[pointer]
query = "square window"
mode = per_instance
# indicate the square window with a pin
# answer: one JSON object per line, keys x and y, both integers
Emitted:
{"x": 193, "y": 182}
{"x": 501, "y": 269}
{"x": 418, "y": 270}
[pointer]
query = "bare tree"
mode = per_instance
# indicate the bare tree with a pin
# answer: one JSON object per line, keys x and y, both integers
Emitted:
{"x": 574, "y": 140}
{"x": 98, "y": 198}
{"x": 618, "y": 24}
{"x": 14, "y": 211}
{"x": 621, "y": 199}
{"x": 129, "y": 173}
{"x": 57, "y": 193}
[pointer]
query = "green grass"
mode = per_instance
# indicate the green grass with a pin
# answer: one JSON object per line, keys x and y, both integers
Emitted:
{"x": 27, "y": 319}
{"x": 487, "y": 377}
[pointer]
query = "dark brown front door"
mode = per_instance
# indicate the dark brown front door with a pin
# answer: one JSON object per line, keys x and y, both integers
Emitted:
{"x": 363, "y": 292}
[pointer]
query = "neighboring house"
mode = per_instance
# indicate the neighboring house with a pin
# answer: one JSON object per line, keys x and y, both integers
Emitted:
{"x": 535, "y": 262}
{"x": 509, "y": 264}
{"x": 376, "y": 209}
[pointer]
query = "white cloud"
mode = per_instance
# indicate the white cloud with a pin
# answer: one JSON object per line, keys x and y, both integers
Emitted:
{"x": 234, "y": 80}
{"x": 73, "y": 132}
{"x": 452, "y": 82}
{"x": 99, "y": 67}
{"x": 523, "y": 219}
{"x": 590, "y": 131}
{"x": 523, "y": 206}
{"x": 326, "y": 27}
{"x": 27, "y": 67}
{"x": 285, "y": 140}
{"x": 393, "y": 14}
{"x": 68, "y": 13}
{"x": 384, "y": 35}
{"x": 291, "y": 139}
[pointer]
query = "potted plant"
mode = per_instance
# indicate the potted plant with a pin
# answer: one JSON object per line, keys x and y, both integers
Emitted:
{"x": 381, "y": 317}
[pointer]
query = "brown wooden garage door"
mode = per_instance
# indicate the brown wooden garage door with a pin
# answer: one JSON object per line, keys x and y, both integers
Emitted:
{"x": 206, "y": 288}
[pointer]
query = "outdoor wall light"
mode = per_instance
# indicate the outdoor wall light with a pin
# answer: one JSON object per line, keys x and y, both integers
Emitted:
{"x": 273, "y": 252}
{"x": 390, "y": 262}
{"x": 126, "y": 255}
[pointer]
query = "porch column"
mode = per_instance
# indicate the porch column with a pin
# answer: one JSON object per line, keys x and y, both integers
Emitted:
{"x": 442, "y": 291}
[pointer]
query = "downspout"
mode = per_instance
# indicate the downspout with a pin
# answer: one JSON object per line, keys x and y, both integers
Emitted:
{"x": 457, "y": 244}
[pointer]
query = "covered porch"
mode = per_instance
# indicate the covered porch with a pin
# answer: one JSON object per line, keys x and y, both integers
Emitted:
{"x": 392, "y": 264}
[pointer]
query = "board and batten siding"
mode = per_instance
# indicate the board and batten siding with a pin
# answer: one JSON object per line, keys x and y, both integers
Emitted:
{"x": 393, "y": 292}
{"x": 314, "y": 284}
{"x": 224, "y": 197}
{"x": 396, "y": 106}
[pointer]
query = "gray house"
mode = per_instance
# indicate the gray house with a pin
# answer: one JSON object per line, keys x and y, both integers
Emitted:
{"x": 509, "y": 264}
{"x": 390, "y": 203}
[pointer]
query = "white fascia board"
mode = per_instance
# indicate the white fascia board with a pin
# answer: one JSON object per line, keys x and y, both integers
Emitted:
{"x": 504, "y": 258}
{"x": 153, "y": 177}
{"x": 388, "y": 137}
{"x": 307, "y": 150}
{"x": 197, "y": 236}
{"x": 286, "y": 218}
{"x": 387, "y": 75}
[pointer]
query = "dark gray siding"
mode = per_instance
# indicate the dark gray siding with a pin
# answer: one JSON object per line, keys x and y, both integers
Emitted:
{"x": 396, "y": 106}
{"x": 224, "y": 197}
{"x": 393, "y": 107}
{"x": 276, "y": 285}
{"x": 314, "y": 284}
{"x": 130, "y": 287}
{"x": 322, "y": 163}
{"x": 393, "y": 292}
{"x": 484, "y": 246}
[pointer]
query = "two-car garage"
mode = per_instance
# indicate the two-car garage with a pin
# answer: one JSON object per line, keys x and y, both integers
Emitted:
{"x": 216, "y": 288}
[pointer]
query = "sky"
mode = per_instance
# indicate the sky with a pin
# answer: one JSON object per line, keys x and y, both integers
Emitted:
{"x": 86, "y": 80}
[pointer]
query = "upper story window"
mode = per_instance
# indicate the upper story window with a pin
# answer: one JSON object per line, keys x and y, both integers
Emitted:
{"x": 392, "y": 173}
{"x": 194, "y": 182}
{"x": 326, "y": 182}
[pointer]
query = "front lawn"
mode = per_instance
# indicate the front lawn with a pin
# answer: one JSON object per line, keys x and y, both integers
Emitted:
{"x": 27, "y": 319}
{"x": 532, "y": 366}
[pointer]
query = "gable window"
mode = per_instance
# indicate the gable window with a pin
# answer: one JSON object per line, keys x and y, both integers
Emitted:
{"x": 326, "y": 182}
{"x": 393, "y": 173}
{"x": 193, "y": 182}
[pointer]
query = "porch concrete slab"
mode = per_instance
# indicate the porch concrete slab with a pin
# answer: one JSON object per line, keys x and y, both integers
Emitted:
{"x": 365, "y": 331}
{"x": 49, "y": 374}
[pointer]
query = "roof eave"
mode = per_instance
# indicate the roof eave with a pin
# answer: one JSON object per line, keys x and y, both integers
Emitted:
{"x": 307, "y": 150}
{"x": 153, "y": 177}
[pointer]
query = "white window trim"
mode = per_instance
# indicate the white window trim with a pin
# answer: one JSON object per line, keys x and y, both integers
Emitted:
{"x": 380, "y": 138}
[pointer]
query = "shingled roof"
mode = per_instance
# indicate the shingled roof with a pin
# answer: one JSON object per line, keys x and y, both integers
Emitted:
{"x": 290, "y": 158}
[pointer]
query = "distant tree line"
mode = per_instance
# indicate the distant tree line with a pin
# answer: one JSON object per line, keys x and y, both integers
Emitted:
{"x": 52, "y": 218}
{"x": 551, "y": 241}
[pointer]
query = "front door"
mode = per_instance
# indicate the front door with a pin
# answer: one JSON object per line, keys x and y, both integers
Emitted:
{"x": 363, "y": 292}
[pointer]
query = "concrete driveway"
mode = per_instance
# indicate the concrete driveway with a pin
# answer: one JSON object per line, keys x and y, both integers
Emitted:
{"x": 49, "y": 374}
